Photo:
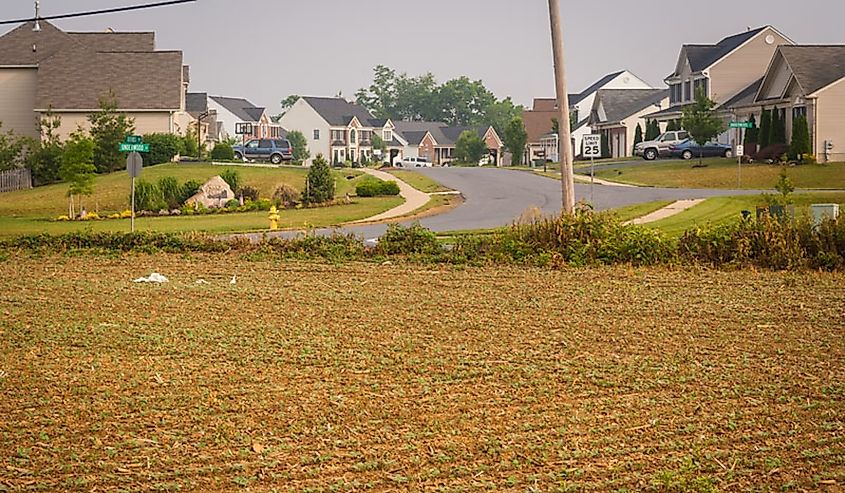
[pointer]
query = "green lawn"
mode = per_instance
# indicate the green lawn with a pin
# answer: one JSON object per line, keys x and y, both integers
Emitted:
{"x": 419, "y": 181}
{"x": 111, "y": 191}
{"x": 361, "y": 208}
{"x": 722, "y": 210}
{"x": 722, "y": 173}
{"x": 639, "y": 210}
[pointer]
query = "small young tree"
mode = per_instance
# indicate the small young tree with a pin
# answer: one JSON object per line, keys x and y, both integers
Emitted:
{"x": 785, "y": 187}
{"x": 12, "y": 150}
{"x": 319, "y": 185}
{"x": 800, "y": 138}
{"x": 701, "y": 122}
{"x": 638, "y": 135}
{"x": 516, "y": 137}
{"x": 764, "y": 134}
{"x": 45, "y": 157}
{"x": 470, "y": 148}
{"x": 379, "y": 145}
{"x": 78, "y": 168}
{"x": 108, "y": 129}
{"x": 299, "y": 146}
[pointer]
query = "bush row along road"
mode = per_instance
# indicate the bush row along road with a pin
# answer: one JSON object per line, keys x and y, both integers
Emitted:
{"x": 495, "y": 197}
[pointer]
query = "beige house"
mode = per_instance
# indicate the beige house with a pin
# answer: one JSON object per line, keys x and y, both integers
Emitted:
{"x": 67, "y": 73}
{"x": 617, "y": 112}
{"x": 721, "y": 70}
{"x": 807, "y": 80}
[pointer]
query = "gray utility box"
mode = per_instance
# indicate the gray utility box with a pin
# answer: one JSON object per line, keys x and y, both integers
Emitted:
{"x": 822, "y": 211}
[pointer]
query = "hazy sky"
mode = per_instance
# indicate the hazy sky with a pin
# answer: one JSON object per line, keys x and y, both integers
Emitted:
{"x": 265, "y": 50}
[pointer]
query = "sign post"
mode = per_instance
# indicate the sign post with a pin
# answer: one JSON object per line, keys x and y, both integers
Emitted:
{"x": 134, "y": 145}
{"x": 243, "y": 129}
{"x": 740, "y": 149}
{"x": 592, "y": 148}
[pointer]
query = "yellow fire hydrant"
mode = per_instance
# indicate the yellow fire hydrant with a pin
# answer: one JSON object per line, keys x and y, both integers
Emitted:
{"x": 274, "y": 218}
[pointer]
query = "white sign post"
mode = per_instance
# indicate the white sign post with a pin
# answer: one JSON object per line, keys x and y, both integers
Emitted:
{"x": 134, "y": 164}
{"x": 592, "y": 149}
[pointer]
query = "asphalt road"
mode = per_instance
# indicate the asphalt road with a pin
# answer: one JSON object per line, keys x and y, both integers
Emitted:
{"x": 495, "y": 197}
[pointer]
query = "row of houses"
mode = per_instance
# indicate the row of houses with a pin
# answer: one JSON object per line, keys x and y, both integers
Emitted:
{"x": 744, "y": 74}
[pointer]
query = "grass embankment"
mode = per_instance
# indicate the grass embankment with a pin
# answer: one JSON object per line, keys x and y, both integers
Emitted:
{"x": 723, "y": 210}
{"x": 342, "y": 378}
{"x": 419, "y": 181}
{"x": 32, "y": 211}
{"x": 722, "y": 173}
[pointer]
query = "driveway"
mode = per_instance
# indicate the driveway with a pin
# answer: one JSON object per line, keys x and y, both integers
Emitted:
{"x": 495, "y": 197}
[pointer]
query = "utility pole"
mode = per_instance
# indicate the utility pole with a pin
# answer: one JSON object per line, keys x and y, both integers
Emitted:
{"x": 564, "y": 137}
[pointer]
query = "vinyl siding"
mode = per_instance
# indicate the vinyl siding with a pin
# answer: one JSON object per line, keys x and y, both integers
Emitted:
{"x": 831, "y": 121}
{"x": 301, "y": 116}
{"x": 145, "y": 123}
{"x": 17, "y": 101}
{"x": 738, "y": 70}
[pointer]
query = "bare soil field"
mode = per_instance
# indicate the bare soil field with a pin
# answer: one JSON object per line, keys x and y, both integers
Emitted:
{"x": 316, "y": 377}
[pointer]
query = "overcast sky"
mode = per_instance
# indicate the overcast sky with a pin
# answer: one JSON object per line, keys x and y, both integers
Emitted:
{"x": 264, "y": 50}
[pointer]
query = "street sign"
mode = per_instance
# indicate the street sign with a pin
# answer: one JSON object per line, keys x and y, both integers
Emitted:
{"x": 741, "y": 125}
{"x": 134, "y": 164}
{"x": 124, "y": 147}
{"x": 740, "y": 150}
{"x": 134, "y": 139}
{"x": 243, "y": 129}
{"x": 592, "y": 146}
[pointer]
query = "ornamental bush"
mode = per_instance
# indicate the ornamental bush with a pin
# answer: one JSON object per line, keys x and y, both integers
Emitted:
{"x": 222, "y": 152}
{"x": 163, "y": 148}
{"x": 374, "y": 187}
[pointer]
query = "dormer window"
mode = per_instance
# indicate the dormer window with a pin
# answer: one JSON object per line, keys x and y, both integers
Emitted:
{"x": 387, "y": 135}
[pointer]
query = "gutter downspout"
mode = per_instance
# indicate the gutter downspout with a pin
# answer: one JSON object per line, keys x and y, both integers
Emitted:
{"x": 816, "y": 128}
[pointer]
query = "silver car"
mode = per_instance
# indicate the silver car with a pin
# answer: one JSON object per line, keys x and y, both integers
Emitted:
{"x": 659, "y": 147}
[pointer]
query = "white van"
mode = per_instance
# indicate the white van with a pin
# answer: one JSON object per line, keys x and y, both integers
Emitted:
{"x": 415, "y": 162}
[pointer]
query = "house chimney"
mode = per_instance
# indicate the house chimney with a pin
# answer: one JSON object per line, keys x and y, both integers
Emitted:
{"x": 37, "y": 27}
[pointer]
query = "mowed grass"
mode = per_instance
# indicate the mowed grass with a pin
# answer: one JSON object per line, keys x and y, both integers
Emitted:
{"x": 631, "y": 212}
{"x": 314, "y": 377}
{"x": 722, "y": 210}
{"x": 722, "y": 173}
{"x": 111, "y": 192}
{"x": 319, "y": 217}
{"x": 419, "y": 181}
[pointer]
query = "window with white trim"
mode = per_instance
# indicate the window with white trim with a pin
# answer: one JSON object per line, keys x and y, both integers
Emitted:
{"x": 317, "y": 134}
{"x": 387, "y": 136}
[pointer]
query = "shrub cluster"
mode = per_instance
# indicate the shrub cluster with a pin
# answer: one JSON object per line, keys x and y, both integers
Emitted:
{"x": 374, "y": 187}
{"x": 223, "y": 152}
{"x": 166, "y": 194}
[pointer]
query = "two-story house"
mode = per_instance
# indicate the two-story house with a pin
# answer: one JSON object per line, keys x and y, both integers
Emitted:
{"x": 225, "y": 114}
{"x": 617, "y": 112}
{"x": 438, "y": 141}
{"x": 339, "y": 130}
{"x": 721, "y": 70}
{"x": 43, "y": 68}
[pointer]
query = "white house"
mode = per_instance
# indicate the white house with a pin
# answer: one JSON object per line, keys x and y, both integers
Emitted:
{"x": 617, "y": 112}
{"x": 228, "y": 112}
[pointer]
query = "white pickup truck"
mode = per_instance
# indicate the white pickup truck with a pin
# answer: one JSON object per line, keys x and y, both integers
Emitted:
{"x": 659, "y": 147}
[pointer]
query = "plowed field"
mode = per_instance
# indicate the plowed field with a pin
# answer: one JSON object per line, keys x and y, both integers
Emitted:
{"x": 314, "y": 377}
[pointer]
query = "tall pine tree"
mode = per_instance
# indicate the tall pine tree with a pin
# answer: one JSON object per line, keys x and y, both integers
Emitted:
{"x": 638, "y": 135}
{"x": 752, "y": 135}
{"x": 778, "y": 130}
{"x": 765, "y": 129}
{"x": 800, "y": 138}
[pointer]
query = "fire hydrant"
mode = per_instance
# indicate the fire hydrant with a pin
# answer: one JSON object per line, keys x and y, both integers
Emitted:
{"x": 274, "y": 218}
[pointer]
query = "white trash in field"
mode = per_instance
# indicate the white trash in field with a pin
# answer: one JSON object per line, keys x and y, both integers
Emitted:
{"x": 155, "y": 277}
{"x": 202, "y": 281}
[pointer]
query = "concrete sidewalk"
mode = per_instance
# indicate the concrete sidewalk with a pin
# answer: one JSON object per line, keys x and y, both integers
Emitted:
{"x": 668, "y": 211}
{"x": 414, "y": 199}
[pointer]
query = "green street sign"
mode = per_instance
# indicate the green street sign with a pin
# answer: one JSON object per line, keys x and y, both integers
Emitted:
{"x": 742, "y": 125}
{"x": 124, "y": 147}
{"x": 134, "y": 139}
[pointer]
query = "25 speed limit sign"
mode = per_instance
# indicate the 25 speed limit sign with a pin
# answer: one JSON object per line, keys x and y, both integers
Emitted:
{"x": 592, "y": 146}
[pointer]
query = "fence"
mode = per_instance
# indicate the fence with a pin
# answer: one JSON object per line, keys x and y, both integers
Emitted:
{"x": 16, "y": 179}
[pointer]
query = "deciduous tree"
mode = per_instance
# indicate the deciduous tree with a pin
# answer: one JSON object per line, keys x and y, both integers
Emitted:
{"x": 109, "y": 128}
{"x": 299, "y": 146}
{"x": 78, "y": 168}
{"x": 515, "y": 137}
{"x": 701, "y": 122}
{"x": 470, "y": 148}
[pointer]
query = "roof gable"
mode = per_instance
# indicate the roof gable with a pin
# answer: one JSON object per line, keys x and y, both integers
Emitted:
{"x": 339, "y": 112}
{"x": 241, "y": 108}
{"x": 23, "y": 46}
{"x": 700, "y": 57}
{"x": 616, "y": 105}
{"x": 815, "y": 66}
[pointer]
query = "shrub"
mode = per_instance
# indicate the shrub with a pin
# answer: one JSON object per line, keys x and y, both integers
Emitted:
{"x": 414, "y": 239}
{"x": 148, "y": 197}
{"x": 248, "y": 193}
{"x": 188, "y": 190}
{"x": 320, "y": 185}
{"x": 373, "y": 187}
{"x": 171, "y": 191}
{"x": 163, "y": 148}
{"x": 223, "y": 152}
{"x": 772, "y": 152}
{"x": 286, "y": 195}
{"x": 232, "y": 177}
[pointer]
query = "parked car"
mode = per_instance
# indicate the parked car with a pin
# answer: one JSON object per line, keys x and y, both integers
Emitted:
{"x": 659, "y": 147}
{"x": 415, "y": 162}
{"x": 274, "y": 150}
{"x": 689, "y": 149}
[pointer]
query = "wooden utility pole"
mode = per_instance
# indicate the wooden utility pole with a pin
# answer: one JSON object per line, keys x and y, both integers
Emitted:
{"x": 564, "y": 136}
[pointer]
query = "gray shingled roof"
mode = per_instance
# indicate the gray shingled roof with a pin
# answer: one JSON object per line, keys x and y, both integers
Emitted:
{"x": 414, "y": 132}
{"x": 701, "y": 56}
{"x": 619, "y": 104}
{"x": 196, "y": 102}
{"x": 116, "y": 41}
{"x": 16, "y": 45}
{"x": 338, "y": 111}
{"x": 243, "y": 109}
{"x": 815, "y": 66}
{"x": 577, "y": 98}
{"x": 745, "y": 97}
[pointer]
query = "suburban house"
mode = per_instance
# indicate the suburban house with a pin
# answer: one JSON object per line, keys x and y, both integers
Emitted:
{"x": 806, "y": 80}
{"x": 43, "y": 68}
{"x": 339, "y": 130}
{"x": 722, "y": 70}
{"x": 438, "y": 141}
{"x": 617, "y": 112}
{"x": 226, "y": 113}
{"x": 542, "y": 142}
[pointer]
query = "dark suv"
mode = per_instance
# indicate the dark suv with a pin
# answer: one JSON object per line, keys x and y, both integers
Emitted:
{"x": 274, "y": 150}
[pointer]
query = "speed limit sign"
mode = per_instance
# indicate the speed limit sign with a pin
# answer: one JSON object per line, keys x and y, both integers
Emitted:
{"x": 592, "y": 146}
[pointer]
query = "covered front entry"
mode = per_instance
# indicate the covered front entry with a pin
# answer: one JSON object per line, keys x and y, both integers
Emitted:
{"x": 394, "y": 156}
{"x": 338, "y": 156}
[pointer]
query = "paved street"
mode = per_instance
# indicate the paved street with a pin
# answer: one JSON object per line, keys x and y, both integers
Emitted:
{"x": 496, "y": 197}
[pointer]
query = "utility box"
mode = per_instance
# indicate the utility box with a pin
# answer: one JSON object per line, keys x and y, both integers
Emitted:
{"x": 822, "y": 211}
